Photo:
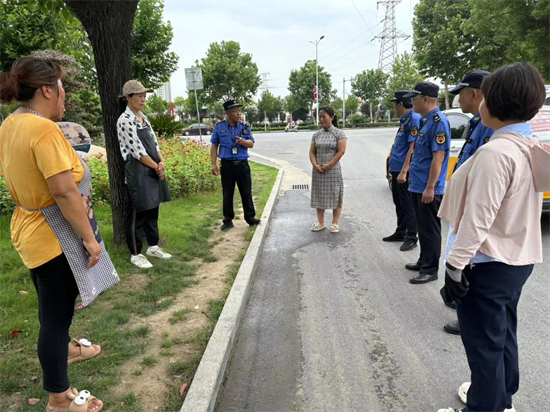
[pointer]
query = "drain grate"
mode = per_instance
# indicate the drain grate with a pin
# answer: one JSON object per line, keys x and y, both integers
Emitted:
{"x": 300, "y": 187}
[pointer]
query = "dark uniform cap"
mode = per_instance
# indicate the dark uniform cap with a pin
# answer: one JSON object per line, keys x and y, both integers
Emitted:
{"x": 230, "y": 104}
{"x": 399, "y": 96}
{"x": 425, "y": 89}
{"x": 472, "y": 79}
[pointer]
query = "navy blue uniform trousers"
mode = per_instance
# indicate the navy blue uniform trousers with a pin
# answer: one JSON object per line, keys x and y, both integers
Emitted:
{"x": 406, "y": 220}
{"x": 237, "y": 172}
{"x": 429, "y": 233}
{"x": 488, "y": 327}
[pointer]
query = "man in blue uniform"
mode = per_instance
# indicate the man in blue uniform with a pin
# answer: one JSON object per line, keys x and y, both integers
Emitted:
{"x": 427, "y": 178}
{"x": 470, "y": 99}
{"x": 399, "y": 164}
{"x": 233, "y": 138}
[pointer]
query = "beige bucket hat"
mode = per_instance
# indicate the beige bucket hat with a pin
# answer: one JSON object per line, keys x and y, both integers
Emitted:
{"x": 134, "y": 87}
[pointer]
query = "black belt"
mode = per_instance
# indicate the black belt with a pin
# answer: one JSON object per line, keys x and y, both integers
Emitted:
{"x": 233, "y": 162}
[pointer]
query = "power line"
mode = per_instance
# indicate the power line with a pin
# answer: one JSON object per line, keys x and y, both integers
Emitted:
{"x": 363, "y": 58}
{"x": 345, "y": 45}
{"x": 344, "y": 55}
{"x": 364, "y": 21}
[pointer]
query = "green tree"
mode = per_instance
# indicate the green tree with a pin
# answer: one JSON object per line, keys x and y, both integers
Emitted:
{"x": 525, "y": 37}
{"x": 405, "y": 74}
{"x": 155, "y": 106}
{"x": 152, "y": 63}
{"x": 252, "y": 113}
{"x": 370, "y": 85}
{"x": 228, "y": 73}
{"x": 442, "y": 48}
{"x": 337, "y": 105}
{"x": 270, "y": 105}
{"x": 179, "y": 107}
{"x": 302, "y": 82}
{"x": 352, "y": 104}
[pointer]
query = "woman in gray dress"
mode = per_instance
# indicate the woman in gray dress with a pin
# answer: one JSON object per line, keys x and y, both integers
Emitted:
{"x": 327, "y": 186}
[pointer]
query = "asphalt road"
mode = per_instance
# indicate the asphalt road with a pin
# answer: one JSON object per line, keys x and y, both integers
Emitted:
{"x": 333, "y": 323}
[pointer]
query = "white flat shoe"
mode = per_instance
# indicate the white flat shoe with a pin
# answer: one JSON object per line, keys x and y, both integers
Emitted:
{"x": 157, "y": 252}
{"x": 141, "y": 262}
{"x": 463, "y": 395}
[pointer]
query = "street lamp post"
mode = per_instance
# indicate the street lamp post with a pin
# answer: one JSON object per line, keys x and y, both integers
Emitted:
{"x": 316, "y": 43}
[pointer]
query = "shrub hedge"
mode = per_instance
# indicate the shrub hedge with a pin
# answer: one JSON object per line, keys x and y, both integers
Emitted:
{"x": 188, "y": 171}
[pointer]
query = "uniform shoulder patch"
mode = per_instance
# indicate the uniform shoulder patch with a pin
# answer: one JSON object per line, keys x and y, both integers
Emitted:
{"x": 220, "y": 122}
{"x": 440, "y": 137}
{"x": 437, "y": 118}
{"x": 414, "y": 131}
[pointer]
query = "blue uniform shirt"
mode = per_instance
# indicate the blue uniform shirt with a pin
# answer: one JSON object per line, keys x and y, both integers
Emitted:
{"x": 434, "y": 136}
{"x": 407, "y": 133}
{"x": 477, "y": 137}
{"x": 226, "y": 135}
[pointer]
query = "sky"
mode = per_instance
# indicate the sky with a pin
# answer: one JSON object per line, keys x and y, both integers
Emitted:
{"x": 277, "y": 34}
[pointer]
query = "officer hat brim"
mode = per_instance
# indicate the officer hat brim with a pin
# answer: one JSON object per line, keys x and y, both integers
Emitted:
{"x": 412, "y": 94}
{"x": 459, "y": 87}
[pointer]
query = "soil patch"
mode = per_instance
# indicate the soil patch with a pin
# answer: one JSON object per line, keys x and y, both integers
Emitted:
{"x": 173, "y": 342}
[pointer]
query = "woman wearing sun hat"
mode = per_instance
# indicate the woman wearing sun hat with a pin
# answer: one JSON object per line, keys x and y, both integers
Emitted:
{"x": 144, "y": 174}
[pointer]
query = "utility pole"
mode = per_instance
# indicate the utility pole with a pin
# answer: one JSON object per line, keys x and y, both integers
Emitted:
{"x": 388, "y": 37}
{"x": 316, "y": 43}
{"x": 351, "y": 79}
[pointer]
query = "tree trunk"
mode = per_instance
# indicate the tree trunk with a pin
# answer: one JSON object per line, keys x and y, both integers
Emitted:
{"x": 109, "y": 27}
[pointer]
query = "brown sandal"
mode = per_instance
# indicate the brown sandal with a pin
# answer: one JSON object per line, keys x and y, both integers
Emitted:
{"x": 79, "y": 402}
{"x": 87, "y": 350}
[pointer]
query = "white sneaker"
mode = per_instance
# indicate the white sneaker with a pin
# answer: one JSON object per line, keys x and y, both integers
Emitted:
{"x": 141, "y": 262}
{"x": 463, "y": 391}
{"x": 157, "y": 252}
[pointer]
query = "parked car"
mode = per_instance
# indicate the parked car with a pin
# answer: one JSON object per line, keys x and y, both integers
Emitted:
{"x": 460, "y": 124}
{"x": 194, "y": 129}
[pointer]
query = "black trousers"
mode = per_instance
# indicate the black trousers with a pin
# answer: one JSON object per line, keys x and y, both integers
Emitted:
{"x": 57, "y": 291}
{"x": 488, "y": 327}
{"x": 239, "y": 173}
{"x": 406, "y": 220}
{"x": 429, "y": 233}
{"x": 141, "y": 225}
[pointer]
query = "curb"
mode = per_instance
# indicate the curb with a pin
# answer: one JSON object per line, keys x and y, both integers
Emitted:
{"x": 203, "y": 392}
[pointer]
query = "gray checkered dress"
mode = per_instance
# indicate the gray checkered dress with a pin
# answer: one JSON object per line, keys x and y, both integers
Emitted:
{"x": 327, "y": 189}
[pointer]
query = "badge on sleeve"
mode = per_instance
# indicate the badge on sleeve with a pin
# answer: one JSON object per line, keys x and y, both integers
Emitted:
{"x": 440, "y": 138}
{"x": 414, "y": 131}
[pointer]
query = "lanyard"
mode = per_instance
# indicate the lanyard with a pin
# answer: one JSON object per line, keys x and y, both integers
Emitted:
{"x": 233, "y": 136}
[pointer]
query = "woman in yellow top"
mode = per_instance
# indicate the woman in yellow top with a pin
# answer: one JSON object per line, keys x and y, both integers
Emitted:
{"x": 41, "y": 169}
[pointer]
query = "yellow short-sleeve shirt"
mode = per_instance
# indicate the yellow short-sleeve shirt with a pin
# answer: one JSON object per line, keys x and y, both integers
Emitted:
{"x": 33, "y": 149}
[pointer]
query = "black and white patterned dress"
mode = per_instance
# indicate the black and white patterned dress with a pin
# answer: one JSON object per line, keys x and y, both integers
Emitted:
{"x": 327, "y": 189}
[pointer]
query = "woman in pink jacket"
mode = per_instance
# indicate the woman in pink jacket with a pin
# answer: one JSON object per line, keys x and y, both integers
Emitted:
{"x": 495, "y": 210}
